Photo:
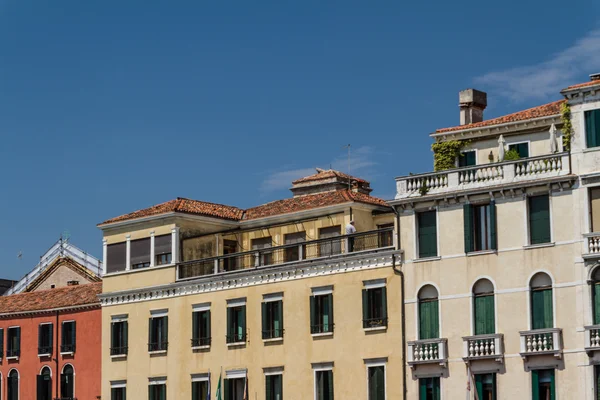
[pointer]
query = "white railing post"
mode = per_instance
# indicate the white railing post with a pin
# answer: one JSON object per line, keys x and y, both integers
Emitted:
{"x": 175, "y": 245}
{"x": 216, "y": 266}
{"x": 510, "y": 172}
{"x": 152, "y": 251}
{"x": 347, "y": 245}
{"x": 588, "y": 337}
{"x": 411, "y": 353}
{"x": 498, "y": 346}
{"x": 555, "y": 340}
{"x": 441, "y": 350}
{"x": 128, "y": 253}
{"x": 300, "y": 252}
{"x": 466, "y": 348}
{"x": 523, "y": 343}
{"x": 104, "y": 255}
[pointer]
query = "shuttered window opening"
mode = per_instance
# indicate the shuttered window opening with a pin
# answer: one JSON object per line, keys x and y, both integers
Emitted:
{"x": 201, "y": 335}
{"x": 293, "y": 253}
{"x": 200, "y": 390}
{"x": 483, "y": 307}
{"x": 116, "y": 257}
{"x": 157, "y": 392}
{"x": 236, "y": 324}
{"x": 158, "y": 333}
{"x": 119, "y": 338}
{"x": 1, "y": 346}
{"x": 427, "y": 234}
{"x": 118, "y": 393}
{"x": 485, "y": 384}
{"x": 539, "y": 219}
{"x": 467, "y": 159}
{"x": 68, "y": 335}
{"x": 521, "y": 148}
{"x": 274, "y": 387}
{"x": 265, "y": 258}
{"x": 13, "y": 342}
{"x": 324, "y": 383}
{"x": 162, "y": 250}
{"x": 596, "y": 296}
{"x": 541, "y": 308}
{"x": 374, "y": 307}
{"x": 321, "y": 313}
{"x": 272, "y": 319}
{"x": 67, "y": 383}
{"x": 592, "y": 128}
{"x": 428, "y": 319}
{"x": 429, "y": 388}
{"x": 140, "y": 253}
{"x": 543, "y": 385}
{"x": 12, "y": 383}
{"x": 233, "y": 389}
{"x": 44, "y": 385}
{"x": 45, "y": 341}
{"x": 480, "y": 227}
{"x": 595, "y": 209}
{"x": 376, "y": 382}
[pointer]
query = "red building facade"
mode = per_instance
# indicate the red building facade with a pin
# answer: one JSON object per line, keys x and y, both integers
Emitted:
{"x": 51, "y": 344}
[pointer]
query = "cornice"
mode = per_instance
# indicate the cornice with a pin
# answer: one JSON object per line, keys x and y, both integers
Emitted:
{"x": 49, "y": 310}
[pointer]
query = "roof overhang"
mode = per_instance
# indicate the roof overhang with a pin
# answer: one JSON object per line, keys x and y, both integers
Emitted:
{"x": 170, "y": 214}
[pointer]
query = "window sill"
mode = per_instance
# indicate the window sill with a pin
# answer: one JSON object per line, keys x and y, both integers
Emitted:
{"x": 201, "y": 347}
{"x": 118, "y": 356}
{"x": 377, "y": 328}
{"x": 418, "y": 260}
{"x": 324, "y": 334}
{"x": 67, "y": 353}
{"x": 158, "y": 352}
{"x": 480, "y": 253}
{"x": 273, "y": 340}
{"x": 591, "y": 149}
{"x": 236, "y": 344}
{"x": 13, "y": 358}
{"x": 132, "y": 271}
{"x": 44, "y": 355}
{"x": 538, "y": 246}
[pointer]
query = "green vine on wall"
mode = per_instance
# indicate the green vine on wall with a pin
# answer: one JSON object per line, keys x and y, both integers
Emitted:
{"x": 445, "y": 153}
{"x": 567, "y": 128}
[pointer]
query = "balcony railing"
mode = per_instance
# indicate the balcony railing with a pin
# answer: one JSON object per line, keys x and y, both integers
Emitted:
{"x": 158, "y": 346}
{"x": 273, "y": 334}
{"x": 13, "y": 353}
{"x": 236, "y": 338}
{"x": 119, "y": 351}
{"x": 592, "y": 244}
{"x": 541, "y": 341}
{"x": 592, "y": 339}
{"x": 480, "y": 176}
{"x": 44, "y": 350}
{"x": 428, "y": 351}
{"x": 373, "y": 323}
{"x": 314, "y": 249}
{"x": 67, "y": 348}
{"x": 201, "y": 342}
{"x": 321, "y": 329}
{"x": 481, "y": 347}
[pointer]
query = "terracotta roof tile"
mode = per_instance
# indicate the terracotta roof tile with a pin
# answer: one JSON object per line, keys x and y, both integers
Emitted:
{"x": 184, "y": 205}
{"x": 326, "y": 174}
{"x": 535, "y": 112}
{"x": 50, "y": 299}
{"x": 584, "y": 84}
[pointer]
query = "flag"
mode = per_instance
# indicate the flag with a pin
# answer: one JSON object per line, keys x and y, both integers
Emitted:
{"x": 246, "y": 386}
{"x": 208, "y": 389}
{"x": 218, "y": 394}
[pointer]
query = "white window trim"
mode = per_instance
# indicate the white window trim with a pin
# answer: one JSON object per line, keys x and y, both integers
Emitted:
{"x": 375, "y": 284}
{"x": 201, "y": 307}
{"x": 318, "y": 367}
{"x": 456, "y": 162}
{"x": 377, "y": 362}
{"x": 119, "y": 318}
{"x": 270, "y": 371}
{"x": 160, "y": 380}
{"x": 272, "y": 297}
{"x": 236, "y": 374}
{"x": 46, "y": 366}
{"x": 520, "y": 142}
{"x": 322, "y": 291}
{"x": 118, "y": 384}
{"x": 202, "y": 377}
{"x": 163, "y": 312}
{"x": 236, "y": 302}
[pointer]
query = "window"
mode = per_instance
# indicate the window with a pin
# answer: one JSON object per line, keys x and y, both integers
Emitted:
{"x": 427, "y": 234}
{"x": 539, "y": 219}
{"x": 261, "y": 244}
{"x": 119, "y": 336}
{"x": 480, "y": 227}
{"x": 233, "y": 388}
{"x": 293, "y": 253}
{"x": 118, "y": 390}
{"x": 13, "y": 342}
{"x": 542, "y": 384}
{"x": 157, "y": 390}
{"x": 386, "y": 239}
{"x": 1, "y": 348}
{"x": 69, "y": 337}
{"x": 272, "y": 316}
{"x": 596, "y": 296}
{"x": 274, "y": 387}
{"x": 541, "y": 302}
{"x": 376, "y": 383}
{"x": 162, "y": 249}
{"x": 67, "y": 383}
{"x": 200, "y": 390}
{"x": 321, "y": 311}
{"x": 374, "y": 304}
{"x": 521, "y": 148}
{"x": 597, "y": 381}
{"x": 429, "y": 389}
{"x": 45, "y": 339}
{"x": 324, "y": 384}
{"x": 44, "y": 385}
{"x": 12, "y": 385}
{"x": 201, "y": 325}
{"x": 158, "y": 332}
{"x": 334, "y": 244}
{"x": 230, "y": 247}
{"x": 592, "y": 128}
{"x": 116, "y": 257}
{"x": 595, "y": 209}
{"x": 236, "y": 321}
{"x": 467, "y": 158}
{"x": 428, "y": 313}
{"x": 483, "y": 308}
{"x": 140, "y": 253}
{"x": 485, "y": 384}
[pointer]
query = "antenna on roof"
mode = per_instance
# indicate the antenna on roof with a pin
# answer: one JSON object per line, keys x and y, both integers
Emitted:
{"x": 349, "y": 176}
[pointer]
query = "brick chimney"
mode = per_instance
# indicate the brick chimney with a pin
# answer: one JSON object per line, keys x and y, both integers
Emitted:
{"x": 472, "y": 102}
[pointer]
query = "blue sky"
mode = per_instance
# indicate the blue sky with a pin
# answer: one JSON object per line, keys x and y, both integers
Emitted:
{"x": 107, "y": 107}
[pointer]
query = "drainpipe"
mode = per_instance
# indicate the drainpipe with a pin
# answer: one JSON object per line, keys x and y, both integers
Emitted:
{"x": 57, "y": 350}
{"x": 402, "y": 299}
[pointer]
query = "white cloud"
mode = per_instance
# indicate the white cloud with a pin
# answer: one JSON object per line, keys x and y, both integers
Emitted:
{"x": 545, "y": 79}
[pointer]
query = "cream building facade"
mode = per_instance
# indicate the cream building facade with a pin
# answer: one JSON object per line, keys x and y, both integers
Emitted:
{"x": 501, "y": 255}
{"x": 276, "y": 299}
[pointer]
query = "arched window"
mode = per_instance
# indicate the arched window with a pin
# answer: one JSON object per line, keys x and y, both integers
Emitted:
{"x": 484, "y": 320}
{"x": 428, "y": 313}
{"x": 67, "y": 383}
{"x": 541, "y": 301}
{"x": 596, "y": 295}
{"x": 44, "y": 384}
{"x": 12, "y": 385}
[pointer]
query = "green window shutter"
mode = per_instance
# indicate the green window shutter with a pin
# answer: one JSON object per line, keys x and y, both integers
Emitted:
{"x": 539, "y": 219}
{"x": 74, "y": 334}
{"x": 163, "y": 392}
{"x": 150, "y": 334}
{"x": 278, "y": 387}
{"x": 166, "y": 328}
{"x": 384, "y": 303}
{"x": 51, "y": 336}
{"x": 479, "y": 385}
{"x": 125, "y": 338}
{"x": 208, "y": 328}
{"x": 265, "y": 326}
{"x": 268, "y": 390}
{"x": 423, "y": 389}
{"x": 552, "y": 386}
{"x": 365, "y": 307}
{"x": 150, "y": 393}
{"x": 195, "y": 389}
{"x": 280, "y": 310}
{"x": 484, "y": 315}
{"x": 243, "y": 322}
{"x": 40, "y": 336}
{"x": 592, "y": 128}
{"x": 523, "y": 150}
{"x": 330, "y": 312}
{"x": 468, "y": 226}
{"x": 196, "y": 325}
{"x": 330, "y": 385}
{"x": 313, "y": 312}
{"x": 493, "y": 226}
{"x": 428, "y": 320}
{"x": 427, "y": 234}
{"x": 230, "y": 327}
{"x": 596, "y": 294}
{"x": 467, "y": 159}
{"x": 541, "y": 308}
{"x": 113, "y": 334}
{"x": 1, "y": 343}
{"x": 226, "y": 389}
{"x": 18, "y": 346}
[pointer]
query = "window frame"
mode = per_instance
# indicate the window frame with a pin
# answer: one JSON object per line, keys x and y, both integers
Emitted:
{"x": 474, "y": 296}
{"x": 199, "y": 378}
{"x": 585, "y": 127}
{"x": 434, "y": 379}
{"x": 154, "y": 346}
{"x": 119, "y": 319}
{"x": 232, "y": 306}
{"x": 417, "y": 231}
{"x": 275, "y": 371}
{"x": 62, "y": 372}
{"x": 462, "y": 152}
{"x": 269, "y": 316}
{"x": 322, "y": 367}
{"x": 528, "y": 220}
{"x": 472, "y": 231}
{"x": 49, "y": 346}
{"x": 531, "y": 290}
{"x": 317, "y": 313}
{"x": 118, "y": 385}
{"x": 16, "y": 353}
{"x": 369, "y": 288}
{"x": 377, "y": 363}
{"x": 18, "y": 383}
{"x": 527, "y": 142}
{"x": 161, "y": 381}
{"x": 68, "y": 348}
{"x": 201, "y": 342}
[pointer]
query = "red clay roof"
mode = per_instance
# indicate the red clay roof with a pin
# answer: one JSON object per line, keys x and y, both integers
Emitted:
{"x": 68, "y": 296}
{"x": 584, "y": 84}
{"x": 183, "y": 205}
{"x": 326, "y": 174}
{"x": 311, "y": 201}
{"x": 535, "y": 112}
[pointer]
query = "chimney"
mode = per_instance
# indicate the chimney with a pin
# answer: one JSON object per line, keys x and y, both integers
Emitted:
{"x": 595, "y": 77}
{"x": 472, "y": 102}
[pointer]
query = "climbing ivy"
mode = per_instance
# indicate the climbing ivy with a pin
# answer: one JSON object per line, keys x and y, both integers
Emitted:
{"x": 445, "y": 153}
{"x": 567, "y": 128}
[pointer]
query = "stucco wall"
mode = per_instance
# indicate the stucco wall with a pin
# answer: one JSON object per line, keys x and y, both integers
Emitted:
{"x": 60, "y": 277}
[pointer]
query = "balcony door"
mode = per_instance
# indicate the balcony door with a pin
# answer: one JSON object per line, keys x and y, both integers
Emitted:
{"x": 543, "y": 385}
{"x": 595, "y": 209}
{"x": 67, "y": 383}
{"x": 596, "y": 296}
{"x": 44, "y": 385}
{"x": 483, "y": 308}
{"x": 428, "y": 313}
{"x": 541, "y": 302}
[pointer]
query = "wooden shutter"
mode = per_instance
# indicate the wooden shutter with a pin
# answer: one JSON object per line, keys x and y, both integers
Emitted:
{"x": 468, "y": 227}
{"x": 150, "y": 333}
{"x": 592, "y": 128}
{"x": 195, "y": 391}
{"x": 116, "y": 257}
{"x": 365, "y": 307}
{"x": 140, "y": 251}
{"x": 535, "y": 385}
{"x": 74, "y": 334}
{"x": 207, "y": 332}
{"x": 384, "y": 314}
{"x": 40, "y": 387}
{"x": 265, "y": 325}
{"x": 541, "y": 309}
{"x": 162, "y": 244}
{"x": 1, "y": 346}
{"x": 428, "y": 320}
{"x": 196, "y": 325}
{"x": 493, "y": 226}
{"x": 278, "y": 323}
{"x": 18, "y": 339}
{"x": 230, "y": 327}
{"x": 278, "y": 387}
{"x": 427, "y": 234}
{"x": 226, "y": 389}
{"x": 423, "y": 389}
{"x": 329, "y": 298}
{"x": 329, "y": 375}
{"x": 539, "y": 219}
{"x": 243, "y": 322}
{"x": 479, "y": 385}
{"x": 268, "y": 387}
{"x": 40, "y": 334}
{"x": 165, "y": 329}
{"x": 484, "y": 315}
{"x": 596, "y": 294}
{"x": 125, "y": 336}
{"x": 552, "y": 386}
{"x": 313, "y": 312}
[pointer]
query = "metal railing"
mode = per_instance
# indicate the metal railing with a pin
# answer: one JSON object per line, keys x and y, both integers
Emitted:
{"x": 13, "y": 353}
{"x": 200, "y": 342}
{"x": 375, "y": 323}
{"x": 592, "y": 338}
{"x": 483, "y": 346}
{"x": 158, "y": 346}
{"x": 67, "y": 348}
{"x": 119, "y": 351}
{"x": 314, "y": 249}
{"x": 541, "y": 341}
{"x": 427, "y": 351}
{"x": 273, "y": 334}
{"x": 44, "y": 350}
{"x": 321, "y": 328}
{"x": 236, "y": 338}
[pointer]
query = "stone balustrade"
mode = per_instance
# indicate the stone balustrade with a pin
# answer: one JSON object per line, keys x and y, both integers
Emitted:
{"x": 592, "y": 244}
{"x": 541, "y": 341}
{"x": 427, "y": 351}
{"x": 592, "y": 338}
{"x": 481, "y": 347}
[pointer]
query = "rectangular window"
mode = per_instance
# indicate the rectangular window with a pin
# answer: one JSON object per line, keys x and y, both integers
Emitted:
{"x": 231, "y": 263}
{"x": 485, "y": 384}
{"x": 118, "y": 392}
{"x": 480, "y": 227}
{"x": 541, "y": 308}
{"x": 484, "y": 314}
{"x": 13, "y": 342}
{"x": 68, "y": 337}
{"x": 45, "y": 341}
{"x": 1, "y": 343}
{"x": 162, "y": 249}
{"x": 521, "y": 148}
{"x": 140, "y": 253}
{"x": 116, "y": 257}
{"x": 236, "y": 322}
{"x": 158, "y": 332}
{"x": 157, "y": 391}
{"x": 596, "y": 302}
{"x": 386, "y": 239}
{"x": 542, "y": 384}
{"x": 595, "y": 209}
{"x": 374, "y": 301}
{"x": 293, "y": 253}
{"x": 429, "y": 388}
{"x": 597, "y": 381}
{"x": 592, "y": 128}
{"x": 324, "y": 385}
{"x": 274, "y": 387}
{"x": 427, "y": 231}
{"x": 200, "y": 389}
{"x": 119, "y": 337}
{"x": 331, "y": 244}
{"x": 376, "y": 376}
{"x": 272, "y": 319}
{"x": 233, "y": 389}
{"x": 321, "y": 313}
{"x": 264, "y": 258}
{"x": 429, "y": 319}
{"x": 467, "y": 159}
{"x": 539, "y": 219}
{"x": 201, "y": 336}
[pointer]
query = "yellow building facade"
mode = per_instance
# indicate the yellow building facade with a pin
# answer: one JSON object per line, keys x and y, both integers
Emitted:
{"x": 279, "y": 300}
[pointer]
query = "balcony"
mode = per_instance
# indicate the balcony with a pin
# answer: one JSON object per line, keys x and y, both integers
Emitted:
{"x": 484, "y": 347}
{"x": 592, "y": 339}
{"x": 377, "y": 240}
{"x": 428, "y": 351}
{"x": 592, "y": 241}
{"x": 541, "y": 342}
{"x": 483, "y": 176}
